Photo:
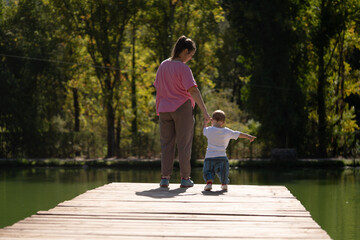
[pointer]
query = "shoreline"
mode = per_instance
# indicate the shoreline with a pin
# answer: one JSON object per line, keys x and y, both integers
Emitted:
{"x": 137, "y": 163}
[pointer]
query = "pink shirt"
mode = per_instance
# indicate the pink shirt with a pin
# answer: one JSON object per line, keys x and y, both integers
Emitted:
{"x": 173, "y": 79}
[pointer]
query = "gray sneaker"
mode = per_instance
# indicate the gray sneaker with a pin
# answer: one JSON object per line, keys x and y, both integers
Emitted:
{"x": 164, "y": 183}
{"x": 186, "y": 183}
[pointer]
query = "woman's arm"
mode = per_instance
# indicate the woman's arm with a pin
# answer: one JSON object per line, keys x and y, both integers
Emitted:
{"x": 196, "y": 95}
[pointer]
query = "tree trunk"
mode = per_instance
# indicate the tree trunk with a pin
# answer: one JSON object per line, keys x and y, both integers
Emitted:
{"x": 76, "y": 110}
{"x": 118, "y": 134}
{"x": 339, "y": 92}
{"x": 321, "y": 104}
{"x": 76, "y": 117}
{"x": 110, "y": 130}
{"x": 134, "y": 127}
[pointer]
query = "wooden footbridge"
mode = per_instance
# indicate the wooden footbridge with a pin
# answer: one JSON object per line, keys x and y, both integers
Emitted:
{"x": 145, "y": 211}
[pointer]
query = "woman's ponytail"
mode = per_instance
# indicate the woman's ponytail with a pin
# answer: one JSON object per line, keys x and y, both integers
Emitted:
{"x": 182, "y": 43}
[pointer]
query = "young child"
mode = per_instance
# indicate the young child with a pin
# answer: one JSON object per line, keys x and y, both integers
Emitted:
{"x": 216, "y": 161}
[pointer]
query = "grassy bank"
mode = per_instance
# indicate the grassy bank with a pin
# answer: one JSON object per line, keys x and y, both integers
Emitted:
{"x": 141, "y": 163}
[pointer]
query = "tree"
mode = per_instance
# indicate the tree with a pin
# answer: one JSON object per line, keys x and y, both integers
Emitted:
{"x": 267, "y": 40}
{"x": 102, "y": 23}
{"x": 32, "y": 86}
{"x": 159, "y": 20}
{"x": 329, "y": 23}
{"x": 342, "y": 81}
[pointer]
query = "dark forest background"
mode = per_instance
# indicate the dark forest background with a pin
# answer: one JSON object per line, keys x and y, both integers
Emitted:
{"x": 76, "y": 76}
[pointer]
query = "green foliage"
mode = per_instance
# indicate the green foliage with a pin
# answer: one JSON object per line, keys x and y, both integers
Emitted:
{"x": 32, "y": 89}
{"x": 267, "y": 39}
{"x": 236, "y": 119}
{"x": 76, "y": 77}
{"x": 332, "y": 36}
{"x": 299, "y": 76}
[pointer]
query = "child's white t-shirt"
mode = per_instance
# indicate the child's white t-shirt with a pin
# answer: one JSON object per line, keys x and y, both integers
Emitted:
{"x": 218, "y": 140}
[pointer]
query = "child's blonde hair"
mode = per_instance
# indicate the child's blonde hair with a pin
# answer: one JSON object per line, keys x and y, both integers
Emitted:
{"x": 218, "y": 116}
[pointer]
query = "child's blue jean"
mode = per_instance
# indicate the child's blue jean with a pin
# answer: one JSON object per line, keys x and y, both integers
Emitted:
{"x": 218, "y": 166}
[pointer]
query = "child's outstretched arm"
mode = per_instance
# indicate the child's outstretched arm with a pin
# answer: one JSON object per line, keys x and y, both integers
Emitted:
{"x": 247, "y": 136}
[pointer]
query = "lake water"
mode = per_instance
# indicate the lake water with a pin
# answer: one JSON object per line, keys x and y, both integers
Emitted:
{"x": 332, "y": 196}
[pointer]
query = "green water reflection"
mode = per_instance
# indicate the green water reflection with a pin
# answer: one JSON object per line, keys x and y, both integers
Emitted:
{"x": 332, "y": 196}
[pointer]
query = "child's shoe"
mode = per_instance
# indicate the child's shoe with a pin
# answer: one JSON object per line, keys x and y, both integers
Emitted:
{"x": 208, "y": 186}
{"x": 164, "y": 183}
{"x": 224, "y": 187}
{"x": 185, "y": 183}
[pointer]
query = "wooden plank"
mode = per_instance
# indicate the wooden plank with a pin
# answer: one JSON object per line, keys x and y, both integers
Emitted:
{"x": 101, "y": 219}
{"x": 145, "y": 211}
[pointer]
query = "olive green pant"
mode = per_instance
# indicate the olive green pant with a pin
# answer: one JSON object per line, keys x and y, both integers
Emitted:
{"x": 177, "y": 128}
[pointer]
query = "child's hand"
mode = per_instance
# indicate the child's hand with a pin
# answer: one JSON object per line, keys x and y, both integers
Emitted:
{"x": 251, "y": 138}
{"x": 247, "y": 136}
{"x": 206, "y": 122}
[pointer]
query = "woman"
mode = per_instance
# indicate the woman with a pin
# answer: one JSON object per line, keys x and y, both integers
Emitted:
{"x": 176, "y": 95}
